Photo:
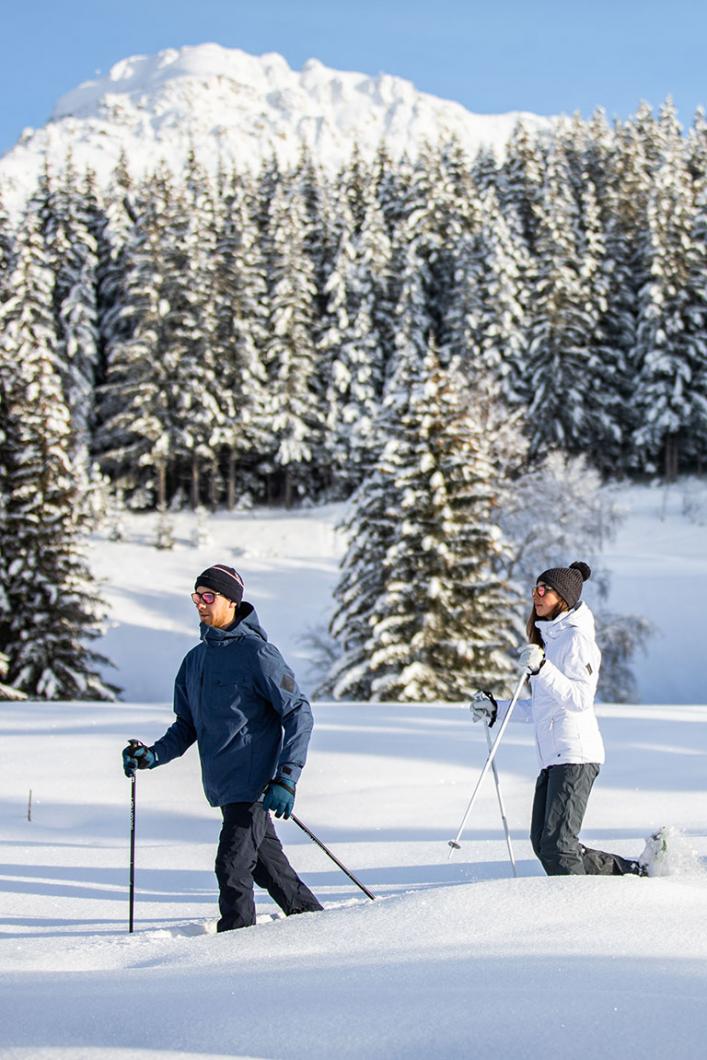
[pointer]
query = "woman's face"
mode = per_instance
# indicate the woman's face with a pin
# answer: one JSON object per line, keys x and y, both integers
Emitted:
{"x": 545, "y": 600}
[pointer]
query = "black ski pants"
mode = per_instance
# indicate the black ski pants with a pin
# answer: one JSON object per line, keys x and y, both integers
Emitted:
{"x": 561, "y": 796}
{"x": 249, "y": 852}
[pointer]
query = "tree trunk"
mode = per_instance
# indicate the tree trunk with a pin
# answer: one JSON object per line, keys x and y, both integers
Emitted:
{"x": 672, "y": 457}
{"x": 161, "y": 485}
{"x": 231, "y": 489}
{"x": 195, "y": 484}
{"x": 213, "y": 486}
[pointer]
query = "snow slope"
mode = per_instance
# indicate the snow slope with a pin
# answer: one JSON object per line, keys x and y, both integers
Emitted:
{"x": 658, "y": 565}
{"x": 289, "y": 560}
{"x": 454, "y": 958}
{"x": 234, "y": 107}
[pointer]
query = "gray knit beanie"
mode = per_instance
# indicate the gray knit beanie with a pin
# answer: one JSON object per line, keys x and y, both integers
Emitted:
{"x": 567, "y": 581}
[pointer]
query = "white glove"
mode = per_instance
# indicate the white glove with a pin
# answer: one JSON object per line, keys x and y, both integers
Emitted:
{"x": 531, "y": 658}
{"x": 483, "y": 707}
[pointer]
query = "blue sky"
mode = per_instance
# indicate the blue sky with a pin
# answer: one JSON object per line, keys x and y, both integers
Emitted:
{"x": 546, "y": 56}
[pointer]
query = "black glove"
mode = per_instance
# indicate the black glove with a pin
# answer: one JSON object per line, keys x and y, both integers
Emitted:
{"x": 137, "y": 756}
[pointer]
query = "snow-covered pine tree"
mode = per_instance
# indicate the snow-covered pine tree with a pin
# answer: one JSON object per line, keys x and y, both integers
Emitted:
{"x": 616, "y": 171}
{"x": 466, "y": 296}
{"x": 328, "y": 219}
{"x": 669, "y": 355}
{"x": 134, "y": 403}
{"x": 52, "y": 608}
{"x": 294, "y": 406}
{"x": 374, "y": 622}
{"x": 503, "y": 339}
{"x": 354, "y": 348}
{"x": 239, "y": 308}
{"x": 694, "y": 444}
{"x": 71, "y": 253}
{"x": 95, "y": 217}
{"x": 7, "y": 263}
{"x": 158, "y": 405}
{"x": 435, "y": 218}
{"x": 568, "y": 370}
{"x": 485, "y": 324}
{"x": 198, "y": 403}
{"x": 112, "y": 227}
{"x": 372, "y": 522}
{"x": 364, "y": 348}
{"x": 521, "y": 178}
{"x": 439, "y": 620}
{"x": 333, "y": 326}
{"x": 7, "y": 250}
{"x": 7, "y": 691}
{"x": 484, "y": 173}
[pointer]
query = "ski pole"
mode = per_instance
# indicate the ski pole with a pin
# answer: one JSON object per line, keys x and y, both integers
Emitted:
{"x": 500, "y": 803}
{"x": 454, "y": 843}
{"x": 332, "y": 856}
{"x": 132, "y": 851}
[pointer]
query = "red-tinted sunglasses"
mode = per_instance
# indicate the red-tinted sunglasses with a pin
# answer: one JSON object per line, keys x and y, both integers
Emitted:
{"x": 208, "y": 597}
{"x": 540, "y": 590}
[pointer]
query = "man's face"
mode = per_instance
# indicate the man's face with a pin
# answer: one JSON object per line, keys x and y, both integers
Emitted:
{"x": 218, "y": 614}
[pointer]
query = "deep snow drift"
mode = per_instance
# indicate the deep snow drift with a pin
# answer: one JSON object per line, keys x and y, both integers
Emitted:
{"x": 454, "y": 958}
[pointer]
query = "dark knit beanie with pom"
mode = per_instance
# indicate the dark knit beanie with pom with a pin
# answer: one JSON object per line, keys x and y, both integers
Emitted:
{"x": 567, "y": 581}
{"x": 224, "y": 580}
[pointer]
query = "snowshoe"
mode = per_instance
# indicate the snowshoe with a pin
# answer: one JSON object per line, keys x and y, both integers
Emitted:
{"x": 669, "y": 853}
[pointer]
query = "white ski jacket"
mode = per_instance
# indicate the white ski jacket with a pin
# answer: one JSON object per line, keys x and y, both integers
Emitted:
{"x": 562, "y": 704}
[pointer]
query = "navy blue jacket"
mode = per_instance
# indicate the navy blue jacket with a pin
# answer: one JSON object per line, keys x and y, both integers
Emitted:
{"x": 235, "y": 695}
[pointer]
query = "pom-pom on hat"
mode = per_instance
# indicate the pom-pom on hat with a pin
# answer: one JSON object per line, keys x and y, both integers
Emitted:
{"x": 567, "y": 581}
{"x": 224, "y": 580}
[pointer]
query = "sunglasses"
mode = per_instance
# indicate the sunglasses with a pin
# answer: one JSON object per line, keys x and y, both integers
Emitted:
{"x": 540, "y": 590}
{"x": 207, "y": 597}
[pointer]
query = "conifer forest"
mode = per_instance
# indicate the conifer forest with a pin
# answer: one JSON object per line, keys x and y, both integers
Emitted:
{"x": 293, "y": 336}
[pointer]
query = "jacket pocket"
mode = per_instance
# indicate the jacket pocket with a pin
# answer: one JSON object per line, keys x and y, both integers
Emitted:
{"x": 566, "y": 737}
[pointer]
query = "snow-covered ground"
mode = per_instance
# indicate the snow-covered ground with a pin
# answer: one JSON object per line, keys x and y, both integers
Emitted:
{"x": 658, "y": 565}
{"x": 289, "y": 560}
{"x": 453, "y": 959}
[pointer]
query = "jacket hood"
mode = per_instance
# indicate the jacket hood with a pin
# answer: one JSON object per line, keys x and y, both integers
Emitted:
{"x": 580, "y": 617}
{"x": 247, "y": 625}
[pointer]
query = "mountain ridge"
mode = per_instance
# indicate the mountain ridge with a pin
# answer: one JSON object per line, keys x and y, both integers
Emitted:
{"x": 232, "y": 107}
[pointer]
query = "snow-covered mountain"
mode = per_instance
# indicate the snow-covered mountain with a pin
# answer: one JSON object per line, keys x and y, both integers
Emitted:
{"x": 238, "y": 107}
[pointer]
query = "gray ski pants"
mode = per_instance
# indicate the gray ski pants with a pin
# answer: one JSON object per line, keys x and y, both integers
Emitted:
{"x": 561, "y": 796}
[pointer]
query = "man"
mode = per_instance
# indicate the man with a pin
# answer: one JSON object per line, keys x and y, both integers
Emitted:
{"x": 236, "y": 697}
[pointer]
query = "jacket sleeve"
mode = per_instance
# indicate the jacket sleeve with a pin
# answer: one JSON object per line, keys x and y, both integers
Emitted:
{"x": 276, "y": 682}
{"x": 523, "y": 710}
{"x": 575, "y": 684}
{"x": 181, "y": 734}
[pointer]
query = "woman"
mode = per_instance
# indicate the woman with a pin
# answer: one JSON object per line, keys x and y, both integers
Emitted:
{"x": 562, "y": 659}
